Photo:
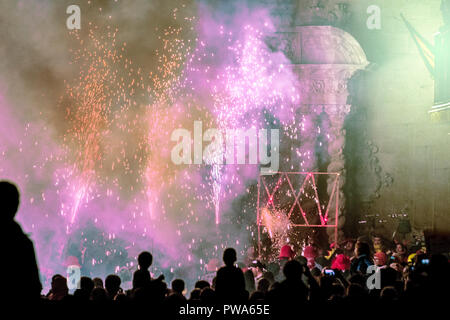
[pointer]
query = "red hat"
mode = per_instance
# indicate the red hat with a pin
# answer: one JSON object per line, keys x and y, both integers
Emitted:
{"x": 381, "y": 256}
{"x": 72, "y": 261}
{"x": 341, "y": 262}
{"x": 286, "y": 252}
{"x": 309, "y": 252}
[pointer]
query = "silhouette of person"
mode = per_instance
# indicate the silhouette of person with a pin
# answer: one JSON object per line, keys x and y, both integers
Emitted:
{"x": 176, "y": 297}
{"x": 59, "y": 290}
{"x": 86, "y": 287}
{"x": 146, "y": 289}
{"x": 292, "y": 288}
{"x": 141, "y": 277}
{"x": 249, "y": 281}
{"x": 200, "y": 284}
{"x": 20, "y": 272}
{"x": 112, "y": 286}
{"x": 230, "y": 282}
{"x": 98, "y": 283}
{"x": 98, "y": 294}
{"x": 291, "y": 292}
{"x": 178, "y": 286}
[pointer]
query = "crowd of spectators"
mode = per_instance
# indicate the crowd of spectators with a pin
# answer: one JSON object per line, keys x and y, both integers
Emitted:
{"x": 352, "y": 272}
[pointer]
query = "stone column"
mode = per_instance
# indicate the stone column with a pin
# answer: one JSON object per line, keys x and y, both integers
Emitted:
{"x": 324, "y": 60}
{"x": 337, "y": 114}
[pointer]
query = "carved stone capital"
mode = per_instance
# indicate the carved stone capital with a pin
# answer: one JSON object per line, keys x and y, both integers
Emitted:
{"x": 324, "y": 83}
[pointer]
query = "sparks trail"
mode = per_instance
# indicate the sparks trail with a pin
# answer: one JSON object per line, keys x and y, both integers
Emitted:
{"x": 242, "y": 83}
{"x": 120, "y": 119}
{"x": 102, "y": 93}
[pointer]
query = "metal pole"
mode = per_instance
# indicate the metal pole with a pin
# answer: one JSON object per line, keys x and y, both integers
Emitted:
{"x": 337, "y": 211}
{"x": 257, "y": 220}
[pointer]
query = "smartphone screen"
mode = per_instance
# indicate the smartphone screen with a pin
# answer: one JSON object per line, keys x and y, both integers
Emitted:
{"x": 329, "y": 272}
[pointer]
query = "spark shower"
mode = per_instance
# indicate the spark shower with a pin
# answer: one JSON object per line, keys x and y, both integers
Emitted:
{"x": 86, "y": 123}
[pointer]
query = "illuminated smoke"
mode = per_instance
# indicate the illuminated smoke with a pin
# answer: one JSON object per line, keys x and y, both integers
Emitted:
{"x": 90, "y": 146}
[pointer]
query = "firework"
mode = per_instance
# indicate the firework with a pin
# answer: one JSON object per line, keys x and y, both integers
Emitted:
{"x": 278, "y": 227}
{"x": 114, "y": 170}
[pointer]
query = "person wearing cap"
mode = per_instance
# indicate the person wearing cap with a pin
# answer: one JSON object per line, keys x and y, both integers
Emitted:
{"x": 341, "y": 262}
{"x": 310, "y": 253}
{"x": 286, "y": 254}
{"x": 380, "y": 259}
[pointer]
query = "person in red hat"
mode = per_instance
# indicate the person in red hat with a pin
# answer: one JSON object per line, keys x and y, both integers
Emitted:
{"x": 380, "y": 259}
{"x": 286, "y": 252}
{"x": 341, "y": 262}
{"x": 310, "y": 253}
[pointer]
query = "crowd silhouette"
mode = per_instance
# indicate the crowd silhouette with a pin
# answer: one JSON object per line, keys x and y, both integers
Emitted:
{"x": 337, "y": 277}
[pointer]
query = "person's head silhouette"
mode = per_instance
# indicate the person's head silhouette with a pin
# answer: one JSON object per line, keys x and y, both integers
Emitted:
{"x": 229, "y": 256}
{"x": 9, "y": 200}
{"x": 112, "y": 285}
{"x": 178, "y": 286}
{"x": 292, "y": 270}
{"x": 145, "y": 260}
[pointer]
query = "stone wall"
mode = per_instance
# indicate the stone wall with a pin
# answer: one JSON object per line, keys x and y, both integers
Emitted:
{"x": 398, "y": 156}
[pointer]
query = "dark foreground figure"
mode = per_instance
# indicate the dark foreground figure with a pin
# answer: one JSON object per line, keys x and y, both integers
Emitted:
{"x": 20, "y": 275}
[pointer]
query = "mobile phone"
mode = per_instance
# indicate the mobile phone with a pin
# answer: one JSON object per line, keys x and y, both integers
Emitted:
{"x": 329, "y": 272}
